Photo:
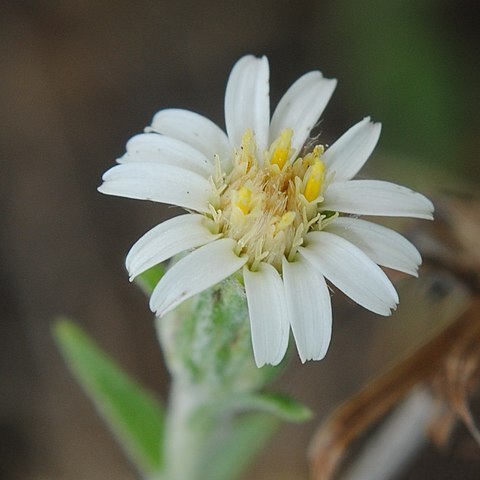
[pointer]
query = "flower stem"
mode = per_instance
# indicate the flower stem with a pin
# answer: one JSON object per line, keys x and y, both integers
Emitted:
{"x": 207, "y": 348}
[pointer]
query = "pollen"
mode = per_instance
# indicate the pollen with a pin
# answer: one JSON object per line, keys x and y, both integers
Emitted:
{"x": 314, "y": 180}
{"x": 269, "y": 200}
{"x": 246, "y": 156}
{"x": 281, "y": 149}
{"x": 242, "y": 199}
{"x": 286, "y": 220}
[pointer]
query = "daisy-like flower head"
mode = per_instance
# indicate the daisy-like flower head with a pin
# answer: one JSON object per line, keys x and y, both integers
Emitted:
{"x": 262, "y": 203}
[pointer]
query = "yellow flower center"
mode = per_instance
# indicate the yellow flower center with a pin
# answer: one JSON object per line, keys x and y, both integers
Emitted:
{"x": 269, "y": 205}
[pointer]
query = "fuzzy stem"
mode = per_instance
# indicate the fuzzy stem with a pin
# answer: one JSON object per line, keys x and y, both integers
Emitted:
{"x": 185, "y": 439}
{"x": 207, "y": 347}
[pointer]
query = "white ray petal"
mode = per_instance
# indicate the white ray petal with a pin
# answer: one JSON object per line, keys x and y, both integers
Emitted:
{"x": 375, "y": 197}
{"x": 268, "y": 314}
{"x": 350, "y": 152}
{"x": 195, "y": 130}
{"x": 152, "y": 147}
{"x": 247, "y": 101}
{"x": 347, "y": 267}
{"x": 166, "y": 240}
{"x": 383, "y": 245}
{"x": 301, "y": 107}
{"x": 194, "y": 273}
{"x": 309, "y": 308}
{"x": 158, "y": 183}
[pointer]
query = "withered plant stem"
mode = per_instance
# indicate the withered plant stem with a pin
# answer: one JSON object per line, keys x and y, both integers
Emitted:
{"x": 349, "y": 421}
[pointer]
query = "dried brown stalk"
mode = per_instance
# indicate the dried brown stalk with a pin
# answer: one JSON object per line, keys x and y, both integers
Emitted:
{"x": 347, "y": 423}
{"x": 458, "y": 378}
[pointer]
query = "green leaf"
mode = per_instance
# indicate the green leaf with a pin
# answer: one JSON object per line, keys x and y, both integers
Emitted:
{"x": 237, "y": 451}
{"x": 279, "y": 405}
{"x": 133, "y": 414}
{"x": 148, "y": 280}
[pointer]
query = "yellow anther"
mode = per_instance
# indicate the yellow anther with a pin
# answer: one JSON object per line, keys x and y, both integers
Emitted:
{"x": 242, "y": 199}
{"x": 267, "y": 205}
{"x": 286, "y": 220}
{"x": 247, "y": 150}
{"x": 281, "y": 149}
{"x": 315, "y": 177}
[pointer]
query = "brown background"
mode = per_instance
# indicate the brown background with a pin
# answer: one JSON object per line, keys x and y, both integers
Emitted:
{"x": 77, "y": 79}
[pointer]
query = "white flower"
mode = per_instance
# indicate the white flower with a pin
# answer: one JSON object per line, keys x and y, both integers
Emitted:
{"x": 258, "y": 202}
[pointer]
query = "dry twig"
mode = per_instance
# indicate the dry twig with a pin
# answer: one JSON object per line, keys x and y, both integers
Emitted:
{"x": 355, "y": 416}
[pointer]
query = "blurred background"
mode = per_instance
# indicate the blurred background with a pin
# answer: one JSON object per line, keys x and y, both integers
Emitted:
{"x": 77, "y": 79}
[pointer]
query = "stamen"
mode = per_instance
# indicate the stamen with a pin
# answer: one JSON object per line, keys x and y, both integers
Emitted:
{"x": 286, "y": 220}
{"x": 297, "y": 242}
{"x": 280, "y": 150}
{"x": 268, "y": 205}
{"x": 218, "y": 172}
{"x": 247, "y": 151}
{"x": 242, "y": 199}
{"x": 315, "y": 179}
{"x": 216, "y": 217}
